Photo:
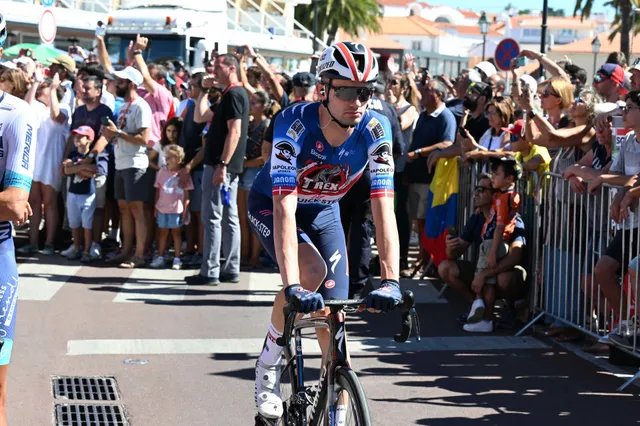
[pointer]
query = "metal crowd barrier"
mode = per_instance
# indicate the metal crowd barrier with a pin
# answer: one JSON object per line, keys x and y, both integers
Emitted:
{"x": 576, "y": 230}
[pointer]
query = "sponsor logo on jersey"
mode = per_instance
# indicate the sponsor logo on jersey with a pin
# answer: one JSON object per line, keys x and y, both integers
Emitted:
{"x": 27, "y": 147}
{"x": 319, "y": 146}
{"x": 260, "y": 227}
{"x": 376, "y": 129}
{"x": 285, "y": 151}
{"x": 326, "y": 179}
{"x": 317, "y": 154}
{"x": 330, "y": 284}
{"x": 296, "y": 129}
{"x": 382, "y": 154}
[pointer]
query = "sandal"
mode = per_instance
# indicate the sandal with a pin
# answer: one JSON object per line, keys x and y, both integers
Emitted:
{"x": 134, "y": 262}
{"x": 570, "y": 335}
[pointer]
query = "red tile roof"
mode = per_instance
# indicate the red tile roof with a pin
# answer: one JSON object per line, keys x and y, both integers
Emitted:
{"x": 394, "y": 2}
{"x": 410, "y": 25}
{"x": 467, "y": 29}
{"x": 584, "y": 45}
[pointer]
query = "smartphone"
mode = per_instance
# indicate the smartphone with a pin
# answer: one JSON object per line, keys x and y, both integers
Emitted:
{"x": 452, "y": 231}
{"x": 240, "y": 50}
{"x": 73, "y": 50}
{"x": 105, "y": 121}
{"x": 314, "y": 64}
{"x": 521, "y": 61}
{"x": 463, "y": 132}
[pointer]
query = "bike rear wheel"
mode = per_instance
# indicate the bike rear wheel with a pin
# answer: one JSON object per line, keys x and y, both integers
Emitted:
{"x": 351, "y": 396}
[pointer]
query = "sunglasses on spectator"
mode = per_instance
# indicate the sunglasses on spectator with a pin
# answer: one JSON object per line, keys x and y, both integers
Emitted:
{"x": 393, "y": 82}
{"x": 599, "y": 78}
{"x": 349, "y": 94}
{"x": 549, "y": 93}
{"x": 481, "y": 189}
{"x": 514, "y": 138}
{"x": 578, "y": 101}
{"x": 627, "y": 108}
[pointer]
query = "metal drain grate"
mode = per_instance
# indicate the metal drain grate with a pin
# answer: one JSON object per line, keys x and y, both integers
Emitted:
{"x": 85, "y": 388}
{"x": 90, "y": 415}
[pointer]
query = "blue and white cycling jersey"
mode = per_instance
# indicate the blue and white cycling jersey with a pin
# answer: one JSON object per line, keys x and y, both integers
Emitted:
{"x": 17, "y": 158}
{"x": 303, "y": 162}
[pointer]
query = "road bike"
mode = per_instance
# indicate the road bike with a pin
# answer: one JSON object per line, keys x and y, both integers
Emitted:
{"x": 339, "y": 388}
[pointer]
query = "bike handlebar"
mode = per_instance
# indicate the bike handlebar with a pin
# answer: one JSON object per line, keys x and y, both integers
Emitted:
{"x": 410, "y": 320}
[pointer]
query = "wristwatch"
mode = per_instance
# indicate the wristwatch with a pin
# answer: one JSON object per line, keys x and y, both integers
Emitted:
{"x": 137, "y": 52}
{"x": 223, "y": 163}
{"x": 91, "y": 155}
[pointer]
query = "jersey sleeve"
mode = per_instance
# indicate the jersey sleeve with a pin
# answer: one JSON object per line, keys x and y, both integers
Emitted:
{"x": 19, "y": 146}
{"x": 288, "y": 134}
{"x": 380, "y": 152}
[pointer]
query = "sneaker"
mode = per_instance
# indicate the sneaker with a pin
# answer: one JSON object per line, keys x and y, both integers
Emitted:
{"x": 477, "y": 311}
{"x": 230, "y": 278}
{"x": 198, "y": 279}
{"x": 177, "y": 264}
{"x": 86, "y": 258}
{"x": 76, "y": 255}
{"x": 158, "y": 262}
{"x": 624, "y": 341}
{"x": 196, "y": 260}
{"x": 267, "y": 390}
{"x": 95, "y": 252}
{"x": 48, "y": 250}
{"x": 623, "y": 329}
{"x": 483, "y": 326}
{"x": 27, "y": 249}
{"x": 70, "y": 251}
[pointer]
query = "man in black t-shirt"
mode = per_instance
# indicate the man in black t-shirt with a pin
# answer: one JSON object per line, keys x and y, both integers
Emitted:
{"x": 223, "y": 162}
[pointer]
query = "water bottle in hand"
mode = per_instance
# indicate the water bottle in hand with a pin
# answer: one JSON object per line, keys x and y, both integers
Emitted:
{"x": 224, "y": 193}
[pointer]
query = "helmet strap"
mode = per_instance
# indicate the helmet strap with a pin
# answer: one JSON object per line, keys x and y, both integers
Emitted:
{"x": 325, "y": 102}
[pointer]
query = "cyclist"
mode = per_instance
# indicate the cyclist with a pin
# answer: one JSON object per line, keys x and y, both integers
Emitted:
{"x": 17, "y": 158}
{"x": 319, "y": 151}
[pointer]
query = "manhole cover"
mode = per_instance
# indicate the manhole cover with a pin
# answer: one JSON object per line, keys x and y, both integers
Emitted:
{"x": 90, "y": 415}
{"x": 85, "y": 388}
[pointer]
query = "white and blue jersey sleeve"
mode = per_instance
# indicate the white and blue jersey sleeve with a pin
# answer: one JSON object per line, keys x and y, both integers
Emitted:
{"x": 17, "y": 144}
{"x": 287, "y": 136}
{"x": 380, "y": 150}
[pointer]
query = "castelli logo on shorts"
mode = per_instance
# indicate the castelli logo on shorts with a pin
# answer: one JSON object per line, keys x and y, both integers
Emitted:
{"x": 330, "y": 284}
{"x": 299, "y": 289}
{"x": 319, "y": 146}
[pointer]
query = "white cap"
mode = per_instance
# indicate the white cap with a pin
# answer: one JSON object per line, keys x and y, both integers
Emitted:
{"x": 474, "y": 76}
{"x": 197, "y": 70}
{"x": 131, "y": 74}
{"x": 9, "y": 65}
{"x": 28, "y": 62}
{"x": 529, "y": 81}
{"x": 635, "y": 65}
{"x": 487, "y": 68}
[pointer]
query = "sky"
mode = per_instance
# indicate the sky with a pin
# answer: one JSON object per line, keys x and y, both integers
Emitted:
{"x": 495, "y": 6}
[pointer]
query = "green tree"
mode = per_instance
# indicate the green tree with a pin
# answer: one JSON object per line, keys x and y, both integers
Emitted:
{"x": 621, "y": 23}
{"x": 352, "y": 16}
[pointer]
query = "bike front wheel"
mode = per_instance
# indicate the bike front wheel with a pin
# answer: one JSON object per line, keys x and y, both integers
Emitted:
{"x": 351, "y": 402}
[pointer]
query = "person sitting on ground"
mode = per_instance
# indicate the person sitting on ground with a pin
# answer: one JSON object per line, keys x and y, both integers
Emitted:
{"x": 458, "y": 274}
{"x": 81, "y": 200}
{"x": 497, "y": 233}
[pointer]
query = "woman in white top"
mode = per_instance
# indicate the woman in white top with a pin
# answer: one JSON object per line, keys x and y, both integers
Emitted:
{"x": 500, "y": 114}
{"x": 52, "y": 138}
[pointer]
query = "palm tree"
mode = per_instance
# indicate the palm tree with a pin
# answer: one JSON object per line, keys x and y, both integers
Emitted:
{"x": 352, "y": 16}
{"x": 621, "y": 23}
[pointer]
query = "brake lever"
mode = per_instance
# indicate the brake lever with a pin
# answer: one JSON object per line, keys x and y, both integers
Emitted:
{"x": 410, "y": 318}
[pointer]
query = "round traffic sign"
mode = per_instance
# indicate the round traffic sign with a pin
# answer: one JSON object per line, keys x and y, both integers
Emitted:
{"x": 506, "y": 50}
{"x": 47, "y": 3}
{"x": 47, "y": 27}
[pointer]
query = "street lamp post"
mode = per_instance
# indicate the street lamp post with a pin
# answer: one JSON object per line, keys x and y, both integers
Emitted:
{"x": 484, "y": 23}
{"x": 595, "y": 48}
{"x": 315, "y": 26}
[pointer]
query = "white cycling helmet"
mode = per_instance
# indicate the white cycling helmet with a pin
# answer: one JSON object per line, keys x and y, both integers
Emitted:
{"x": 348, "y": 61}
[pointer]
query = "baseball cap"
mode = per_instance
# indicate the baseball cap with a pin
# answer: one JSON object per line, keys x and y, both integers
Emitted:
{"x": 516, "y": 128}
{"x": 529, "y": 81}
{"x": 510, "y": 164}
{"x": 304, "y": 79}
{"x": 487, "y": 68}
{"x": 613, "y": 72}
{"x": 474, "y": 76}
{"x": 131, "y": 74}
{"x": 482, "y": 89}
{"x": 30, "y": 65}
{"x": 9, "y": 65}
{"x": 84, "y": 131}
{"x": 66, "y": 61}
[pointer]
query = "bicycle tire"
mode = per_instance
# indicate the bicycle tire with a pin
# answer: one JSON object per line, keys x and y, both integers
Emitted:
{"x": 288, "y": 381}
{"x": 347, "y": 380}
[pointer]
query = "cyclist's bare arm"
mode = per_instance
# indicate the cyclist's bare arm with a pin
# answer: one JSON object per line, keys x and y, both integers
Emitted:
{"x": 285, "y": 237}
{"x": 386, "y": 237}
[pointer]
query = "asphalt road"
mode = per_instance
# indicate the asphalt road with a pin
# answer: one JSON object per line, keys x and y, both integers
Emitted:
{"x": 185, "y": 355}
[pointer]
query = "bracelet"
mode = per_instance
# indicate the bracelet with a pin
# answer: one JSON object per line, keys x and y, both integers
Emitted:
{"x": 542, "y": 55}
{"x": 137, "y": 52}
{"x": 418, "y": 151}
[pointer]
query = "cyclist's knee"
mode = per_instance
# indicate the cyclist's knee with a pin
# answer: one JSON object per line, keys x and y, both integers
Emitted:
{"x": 313, "y": 270}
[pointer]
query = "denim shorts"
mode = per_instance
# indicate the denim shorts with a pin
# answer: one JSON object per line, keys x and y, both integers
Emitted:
{"x": 169, "y": 220}
{"x": 248, "y": 176}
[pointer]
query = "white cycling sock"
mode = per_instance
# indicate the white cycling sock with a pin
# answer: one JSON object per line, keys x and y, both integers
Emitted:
{"x": 341, "y": 415}
{"x": 271, "y": 353}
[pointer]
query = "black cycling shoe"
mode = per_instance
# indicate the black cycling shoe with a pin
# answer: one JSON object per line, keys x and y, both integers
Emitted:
{"x": 201, "y": 280}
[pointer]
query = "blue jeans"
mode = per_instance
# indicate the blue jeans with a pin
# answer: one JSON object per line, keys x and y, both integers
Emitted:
{"x": 221, "y": 226}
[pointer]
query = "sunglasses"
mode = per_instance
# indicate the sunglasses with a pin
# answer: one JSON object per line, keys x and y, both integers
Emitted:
{"x": 578, "y": 101}
{"x": 393, "y": 82}
{"x": 547, "y": 93}
{"x": 626, "y": 109}
{"x": 599, "y": 78}
{"x": 514, "y": 138}
{"x": 481, "y": 189}
{"x": 349, "y": 94}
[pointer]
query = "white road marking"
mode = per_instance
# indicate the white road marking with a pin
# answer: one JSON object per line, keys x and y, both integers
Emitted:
{"x": 263, "y": 287}
{"x": 40, "y": 282}
{"x": 153, "y": 284}
{"x": 254, "y": 346}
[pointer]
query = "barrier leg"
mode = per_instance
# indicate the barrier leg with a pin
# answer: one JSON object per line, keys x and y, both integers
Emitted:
{"x": 442, "y": 290}
{"x": 533, "y": 321}
{"x": 628, "y": 382}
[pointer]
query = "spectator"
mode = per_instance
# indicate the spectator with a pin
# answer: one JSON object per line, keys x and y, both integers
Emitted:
{"x": 270, "y": 81}
{"x": 13, "y": 82}
{"x": 635, "y": 75}
{"x": 170, "y": 136}
{"x": 534, "y": 158}
{"x": 435, "y": 130}
{"x": 608, "y": 82}
{"x": 498, "y": 85}
{"x": 460, "y": 86}
{"x": 65, "y": 67}
{"x": 500, "y": 115}
{"x": 476, "y": 98}
{"x": 626, "y": 165}
{"x": 132, "y": 133}
{"x": 172, "y": 205}
{"x": 261, "y": 113}
{"x": 304, "y": 86}
{"x": 81, "y": 200}
{"x": 54, "y": 128}
{"x": 224, "y": 157}
{"x": 486, "y": 70}
{"x": 191, "y": 139}
{"x": 497, "y": 232}
{"x": 459, "y": 274}
{"x": 617, "y": 58}
{"x": 98, "y": 71}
